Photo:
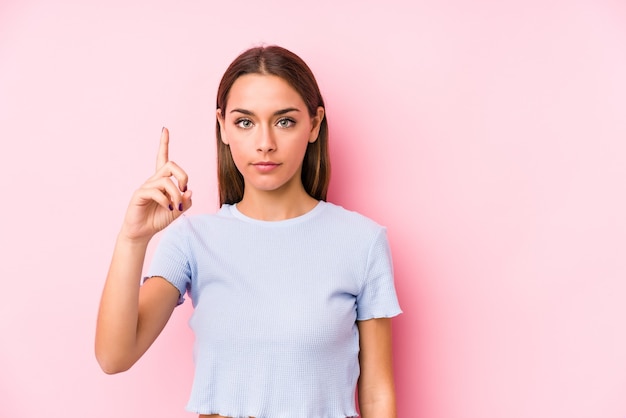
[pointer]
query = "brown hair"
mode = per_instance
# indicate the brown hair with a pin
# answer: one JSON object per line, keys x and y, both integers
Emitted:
{"x": 277, "y": 61}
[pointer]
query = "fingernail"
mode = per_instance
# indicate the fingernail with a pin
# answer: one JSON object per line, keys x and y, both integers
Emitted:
{"x": 184, "y": 189}
{"x": 171, "y": 207}
{"x": 180, "y": 207}
{"x": 162, "y": 129}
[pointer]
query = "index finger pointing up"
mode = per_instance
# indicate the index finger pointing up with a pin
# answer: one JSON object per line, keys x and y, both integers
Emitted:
{"x": 162, "y": 156}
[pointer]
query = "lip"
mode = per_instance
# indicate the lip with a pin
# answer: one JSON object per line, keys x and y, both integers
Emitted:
{"x": 265, "y": 166}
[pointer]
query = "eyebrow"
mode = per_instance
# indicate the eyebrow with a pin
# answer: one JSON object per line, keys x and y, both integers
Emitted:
{"x": 277, "y": 113}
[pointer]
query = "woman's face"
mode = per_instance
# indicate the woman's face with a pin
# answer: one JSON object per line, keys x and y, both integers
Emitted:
{"x": 267, "y": 127}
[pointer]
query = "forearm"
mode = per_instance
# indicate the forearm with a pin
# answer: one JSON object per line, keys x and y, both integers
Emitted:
{"x": 116, "y": 331}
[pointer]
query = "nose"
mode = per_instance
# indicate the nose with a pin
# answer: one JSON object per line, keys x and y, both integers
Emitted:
{"x": 265, "y": 140}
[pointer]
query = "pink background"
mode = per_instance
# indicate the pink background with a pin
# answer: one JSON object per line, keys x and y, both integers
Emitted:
{"x": 490, "y": 137}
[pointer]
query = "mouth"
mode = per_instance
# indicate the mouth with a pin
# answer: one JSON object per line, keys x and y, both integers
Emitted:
{"x": 265, "y": 166}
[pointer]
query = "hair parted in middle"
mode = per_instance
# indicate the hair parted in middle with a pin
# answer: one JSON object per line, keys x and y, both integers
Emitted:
{"x": 277, "y": 61}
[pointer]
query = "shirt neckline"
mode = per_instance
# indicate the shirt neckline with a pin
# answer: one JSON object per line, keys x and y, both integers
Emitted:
{"x": 298, "y": 219}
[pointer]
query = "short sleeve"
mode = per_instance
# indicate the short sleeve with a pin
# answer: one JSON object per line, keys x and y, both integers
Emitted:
{"x": 171, "y": 258}
{"x": 378, "y": 298}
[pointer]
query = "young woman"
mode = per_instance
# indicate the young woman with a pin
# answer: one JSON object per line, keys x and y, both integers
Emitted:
{"x": 292, "y": 295}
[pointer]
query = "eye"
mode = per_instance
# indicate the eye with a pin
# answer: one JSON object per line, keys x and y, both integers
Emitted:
{"x": 244, "y": 123}
{"x": 286, "y": 123}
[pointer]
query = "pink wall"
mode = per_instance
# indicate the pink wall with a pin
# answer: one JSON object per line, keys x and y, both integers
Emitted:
{"x": 490, "y": 138}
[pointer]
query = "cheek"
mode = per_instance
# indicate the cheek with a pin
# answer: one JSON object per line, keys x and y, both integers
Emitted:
{"x": 234, "y": 143}
{"x": 304, "y": 145}
{"x": 236, "y": 154}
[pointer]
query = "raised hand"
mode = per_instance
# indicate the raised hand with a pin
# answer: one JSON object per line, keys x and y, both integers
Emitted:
{"x": 158, "y": 201}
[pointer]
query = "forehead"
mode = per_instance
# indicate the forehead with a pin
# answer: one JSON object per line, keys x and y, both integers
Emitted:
{"x": 257, "y": 92}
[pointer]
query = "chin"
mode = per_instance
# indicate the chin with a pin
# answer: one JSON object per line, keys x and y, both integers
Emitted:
{"x": 269, "y": 187}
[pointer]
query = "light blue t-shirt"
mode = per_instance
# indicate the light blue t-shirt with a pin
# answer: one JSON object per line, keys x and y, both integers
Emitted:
{"x": 276, "y": 305}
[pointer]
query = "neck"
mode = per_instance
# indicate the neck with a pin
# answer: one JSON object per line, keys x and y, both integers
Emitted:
{"x": 275, "y": 206}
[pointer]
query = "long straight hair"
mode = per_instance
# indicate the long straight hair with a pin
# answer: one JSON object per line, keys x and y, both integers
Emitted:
{"x": 280, "y": 62}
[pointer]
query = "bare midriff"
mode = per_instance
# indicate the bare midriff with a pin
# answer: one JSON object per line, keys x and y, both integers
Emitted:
{"x": 214, "y": 416}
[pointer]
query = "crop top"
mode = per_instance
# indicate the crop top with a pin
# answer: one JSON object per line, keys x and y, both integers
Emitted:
{"x": 275, "y": 307}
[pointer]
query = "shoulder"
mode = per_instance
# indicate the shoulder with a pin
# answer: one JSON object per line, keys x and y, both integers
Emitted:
{"x": 352, "y": 225}
{"x": 190, "y": 223}
{"x": 350, "y": 217}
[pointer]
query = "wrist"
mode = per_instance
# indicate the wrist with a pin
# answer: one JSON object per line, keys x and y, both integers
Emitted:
{"x": 132, "y": 240}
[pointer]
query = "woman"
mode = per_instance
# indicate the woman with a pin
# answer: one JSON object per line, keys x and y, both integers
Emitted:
{"x": 292, "y": 295}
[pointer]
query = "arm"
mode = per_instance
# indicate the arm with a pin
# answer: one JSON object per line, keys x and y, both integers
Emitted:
{"x": 376, "y": 387}
{"x": 132, "y": 316}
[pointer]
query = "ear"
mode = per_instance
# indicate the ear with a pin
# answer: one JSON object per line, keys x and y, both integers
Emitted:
{"x": 316, "y": 124}
{"x": 220, "y": 121}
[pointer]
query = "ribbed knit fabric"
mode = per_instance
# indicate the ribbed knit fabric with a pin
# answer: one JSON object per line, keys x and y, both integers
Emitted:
{"x": 276, "y": 305}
